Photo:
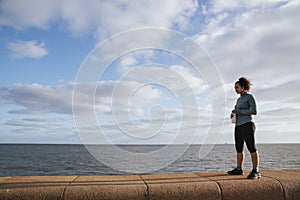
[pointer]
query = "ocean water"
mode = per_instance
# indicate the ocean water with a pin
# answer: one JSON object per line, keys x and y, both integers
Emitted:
{"x": 40, "y": 159}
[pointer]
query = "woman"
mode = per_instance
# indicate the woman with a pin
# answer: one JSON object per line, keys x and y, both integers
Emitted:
{"x": 245, "y": 128}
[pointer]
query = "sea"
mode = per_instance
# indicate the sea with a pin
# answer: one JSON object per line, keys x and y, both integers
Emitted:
{"x": 61, "y": 159}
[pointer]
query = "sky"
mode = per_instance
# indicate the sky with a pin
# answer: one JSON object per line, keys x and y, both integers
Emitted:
{"x": 146, "y": 95}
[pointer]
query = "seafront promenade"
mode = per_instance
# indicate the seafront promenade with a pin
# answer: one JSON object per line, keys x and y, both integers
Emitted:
{"x": 274, "y": 184}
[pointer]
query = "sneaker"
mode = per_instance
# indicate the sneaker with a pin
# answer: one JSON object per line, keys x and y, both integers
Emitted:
{"x": 236, "y": 171}
{"x": 254, "y": 175}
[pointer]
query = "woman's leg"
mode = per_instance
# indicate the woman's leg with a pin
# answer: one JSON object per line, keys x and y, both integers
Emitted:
{"x": 250, "y": 142}
{"x": 240, "y": 159}
{"x": 255, "y": 159}
{"x": 239, "y": 146}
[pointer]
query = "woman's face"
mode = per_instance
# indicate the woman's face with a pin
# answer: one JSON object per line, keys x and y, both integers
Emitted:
{"x": 238, "y": 89}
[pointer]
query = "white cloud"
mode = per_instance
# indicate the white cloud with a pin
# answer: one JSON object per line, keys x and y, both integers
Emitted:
{"x": 257, "y": 42}
{"x": 134, "y": 105}
{"x": 36, "y": 98}
{"x": 216, "y": 6}
{"x": 128, "y": 14}
{"x": 31, "y": 13}
{"x": 127, "y": 63}
{"x": 27, "y": 49}
{"x": 169, "y": 77}
{"x": 283, "y": 93}
{"x": 100, "y": 18}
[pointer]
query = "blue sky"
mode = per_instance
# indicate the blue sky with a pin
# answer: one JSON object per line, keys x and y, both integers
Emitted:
{"x": 42, "y": 48}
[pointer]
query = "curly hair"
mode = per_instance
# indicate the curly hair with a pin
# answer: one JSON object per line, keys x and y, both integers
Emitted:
{"x": 244, "y": 83}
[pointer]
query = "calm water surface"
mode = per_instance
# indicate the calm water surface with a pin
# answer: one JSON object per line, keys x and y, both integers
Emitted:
{"x": 16, "y": 159}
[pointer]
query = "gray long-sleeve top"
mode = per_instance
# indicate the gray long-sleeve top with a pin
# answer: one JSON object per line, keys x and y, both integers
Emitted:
{"x": 245, "y": 107}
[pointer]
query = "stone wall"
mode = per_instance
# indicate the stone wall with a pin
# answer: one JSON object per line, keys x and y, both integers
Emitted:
{"x": 280, "y": 184}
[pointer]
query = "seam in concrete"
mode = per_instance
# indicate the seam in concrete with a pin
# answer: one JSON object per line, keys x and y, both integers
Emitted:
{"x": 282, "y": 188}
{"x": 62, "y": 196}
{"x": 147, "y": 186}
{"x": 219, "y": 187}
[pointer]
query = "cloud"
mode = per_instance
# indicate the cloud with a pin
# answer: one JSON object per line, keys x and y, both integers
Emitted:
{"x": 32, "y": 13}
{"x": 27, "y": 49}
{"x": 36, "y": 98}
{"x": 282, "y": 93}
{"x": 41, "y": 129}
{"x": 134, "y": 105}
{"x": 258, "y": 41}
{"x": 128, "y": 15}
{"x": 48, "y": 120}
{"x": 98, "y": 18}
{"x": 216, "y": 6}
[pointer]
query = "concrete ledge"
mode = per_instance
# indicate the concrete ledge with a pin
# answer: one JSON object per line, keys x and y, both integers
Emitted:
{"x": 280, "y": 184}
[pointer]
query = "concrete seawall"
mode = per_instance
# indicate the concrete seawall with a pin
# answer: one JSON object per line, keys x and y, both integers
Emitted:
{"x": 279, "y": 184}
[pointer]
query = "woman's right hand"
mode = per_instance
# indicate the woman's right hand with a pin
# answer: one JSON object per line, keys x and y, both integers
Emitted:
{"x": 232, "y": 114}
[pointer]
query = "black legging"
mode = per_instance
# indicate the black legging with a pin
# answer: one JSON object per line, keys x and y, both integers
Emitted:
{"x": 245, "y": 133}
